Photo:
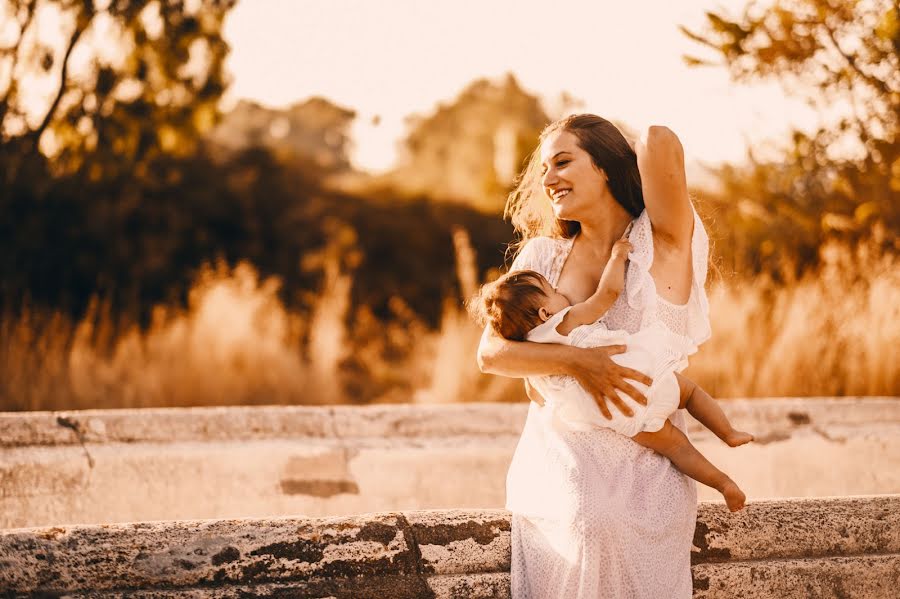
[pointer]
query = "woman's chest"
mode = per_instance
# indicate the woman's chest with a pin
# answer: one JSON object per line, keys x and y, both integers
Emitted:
{"x": 578, "y": 286}
{"x": 577, "y": 275}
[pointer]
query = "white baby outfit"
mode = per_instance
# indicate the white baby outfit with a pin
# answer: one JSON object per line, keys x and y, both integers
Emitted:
{"x": 594, "y": 514}
{"x": 654, "y": 350}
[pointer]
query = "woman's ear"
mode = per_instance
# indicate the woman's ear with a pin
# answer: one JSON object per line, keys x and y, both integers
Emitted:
{"x": 544, "y": 314}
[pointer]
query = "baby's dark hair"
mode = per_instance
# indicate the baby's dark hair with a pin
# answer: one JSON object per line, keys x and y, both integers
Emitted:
{"x": 510, "y": 304}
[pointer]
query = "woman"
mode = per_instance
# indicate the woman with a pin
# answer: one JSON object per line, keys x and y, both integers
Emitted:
{"x": 594, "y": 513}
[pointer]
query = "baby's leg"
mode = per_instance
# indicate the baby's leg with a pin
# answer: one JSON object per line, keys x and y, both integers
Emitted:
{"x": 671, "y": 442}
{"x": 706, "y": 409}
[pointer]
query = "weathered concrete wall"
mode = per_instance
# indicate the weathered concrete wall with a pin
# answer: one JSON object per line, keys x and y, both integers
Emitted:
{"x": 821, "y": 548}
{"x": 163, "y": 464}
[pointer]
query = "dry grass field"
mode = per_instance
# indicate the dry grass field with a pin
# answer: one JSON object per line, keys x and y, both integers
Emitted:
{"x": 833, "y": 332}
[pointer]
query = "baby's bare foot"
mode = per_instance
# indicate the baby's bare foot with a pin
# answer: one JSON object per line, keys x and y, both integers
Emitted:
{"x": 736, "y": 437}
{"x": 734, "y": 497}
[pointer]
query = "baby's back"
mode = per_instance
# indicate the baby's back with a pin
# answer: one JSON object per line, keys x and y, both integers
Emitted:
{"x": 653, "y": 350}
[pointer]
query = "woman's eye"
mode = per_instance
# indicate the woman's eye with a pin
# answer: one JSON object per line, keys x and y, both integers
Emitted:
{"x": 558, "y": 164}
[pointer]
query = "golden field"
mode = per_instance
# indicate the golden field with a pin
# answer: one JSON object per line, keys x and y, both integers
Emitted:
{"x": 832, "y": 333}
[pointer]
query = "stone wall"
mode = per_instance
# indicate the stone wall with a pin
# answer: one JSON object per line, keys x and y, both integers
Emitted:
{"x": 820, "y": 548}
{"x": 103, "y": 466}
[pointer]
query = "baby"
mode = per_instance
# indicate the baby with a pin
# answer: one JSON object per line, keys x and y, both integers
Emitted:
{"x": 522, "y": 305}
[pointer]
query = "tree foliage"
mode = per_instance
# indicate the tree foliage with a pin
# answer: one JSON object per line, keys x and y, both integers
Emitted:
{"x": 470, "y": 149}
{"x": 118, "y": 185}
{"x": 843, "y": 179}
{"x": 116, "y": 182}
{"x": 120, "y": 83}
{"x": 315, "y": 131}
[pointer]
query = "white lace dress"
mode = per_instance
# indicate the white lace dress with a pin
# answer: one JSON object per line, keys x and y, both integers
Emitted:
{"x": 594, "y": 514}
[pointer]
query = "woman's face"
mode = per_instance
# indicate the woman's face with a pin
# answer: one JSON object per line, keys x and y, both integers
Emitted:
{"x": 573, "y": 184}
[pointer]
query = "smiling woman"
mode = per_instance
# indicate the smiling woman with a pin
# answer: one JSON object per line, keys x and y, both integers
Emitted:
{"x": 601, "y": 158}
{"x": 594, "y": 513}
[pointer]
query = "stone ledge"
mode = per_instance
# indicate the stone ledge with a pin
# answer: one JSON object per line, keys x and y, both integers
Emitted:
{"x": 831, "y": 547}
{"x": 861, "y": 576}
{"x": 104, "y": 466}
{"x": 167, "y": 425}
{"x": 770, "y": 417}
{"x": 825, "y": 527}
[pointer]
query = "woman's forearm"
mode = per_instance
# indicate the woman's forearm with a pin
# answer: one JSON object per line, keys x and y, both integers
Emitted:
{"x": 520, "y": 359}
{"x": 600, "y": 376}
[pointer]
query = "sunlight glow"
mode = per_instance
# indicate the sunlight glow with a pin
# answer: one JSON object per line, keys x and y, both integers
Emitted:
{"x": 388, "y": 60}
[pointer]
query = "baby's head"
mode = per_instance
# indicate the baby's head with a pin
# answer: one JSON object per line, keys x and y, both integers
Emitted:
{"x": 516, "y": 303}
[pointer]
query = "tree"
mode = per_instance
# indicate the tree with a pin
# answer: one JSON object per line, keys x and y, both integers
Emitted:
{"x": 843, "y": 58}
{"x": 470, "y": 150}
{"x": 130, "y": 80}
{"x": 315, "y": 132}
{"x": 98, "y": 120}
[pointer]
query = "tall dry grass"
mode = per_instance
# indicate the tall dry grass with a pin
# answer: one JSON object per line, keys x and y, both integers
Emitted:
{"x": 834, "y": 332}
{"x": 235, "y": 343}
{"x": 831, "y": 333}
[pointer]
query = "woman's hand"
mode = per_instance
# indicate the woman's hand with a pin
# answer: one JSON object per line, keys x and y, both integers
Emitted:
{"x": 601, "y": 377}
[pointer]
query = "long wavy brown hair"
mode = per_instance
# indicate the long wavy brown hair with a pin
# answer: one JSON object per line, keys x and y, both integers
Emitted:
{"x": 528, "y": 206}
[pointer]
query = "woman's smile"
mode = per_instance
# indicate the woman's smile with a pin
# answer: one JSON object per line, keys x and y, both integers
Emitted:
{"x": 560, "y": 194}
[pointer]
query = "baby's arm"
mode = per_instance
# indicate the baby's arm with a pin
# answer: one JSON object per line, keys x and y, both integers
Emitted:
{"x": 611, "y": 284}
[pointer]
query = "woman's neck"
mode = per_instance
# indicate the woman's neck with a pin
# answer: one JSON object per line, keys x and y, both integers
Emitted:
{"x": 601, "y": 231}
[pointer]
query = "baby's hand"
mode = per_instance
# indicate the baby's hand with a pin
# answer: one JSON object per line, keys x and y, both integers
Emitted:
{"x": 621, "y": 248}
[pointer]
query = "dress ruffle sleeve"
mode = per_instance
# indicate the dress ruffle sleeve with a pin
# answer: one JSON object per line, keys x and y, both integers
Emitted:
{"x": 537, "y": 254}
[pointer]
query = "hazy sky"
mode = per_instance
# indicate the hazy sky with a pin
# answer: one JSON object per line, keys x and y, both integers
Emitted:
{"x": 395, "y": 57}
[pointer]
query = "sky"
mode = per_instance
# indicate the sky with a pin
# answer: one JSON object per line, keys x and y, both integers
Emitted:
{"x": 392, "y": 58}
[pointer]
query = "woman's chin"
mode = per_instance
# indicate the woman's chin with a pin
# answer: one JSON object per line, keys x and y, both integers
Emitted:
{"x": 562, "y": 212}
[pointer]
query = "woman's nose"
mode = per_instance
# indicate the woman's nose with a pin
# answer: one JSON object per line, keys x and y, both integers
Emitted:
{"x": 548, "y": 178}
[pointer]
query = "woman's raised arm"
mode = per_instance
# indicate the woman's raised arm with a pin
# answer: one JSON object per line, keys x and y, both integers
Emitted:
{"x": 592, "y": 367}
{"x": 660, "y": 159}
